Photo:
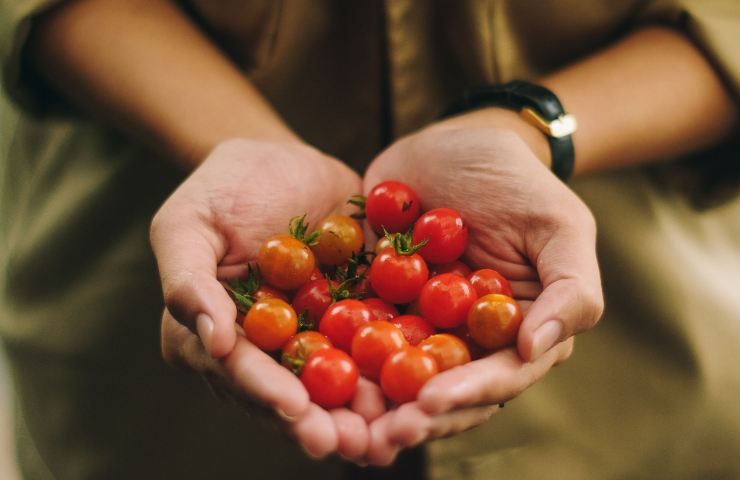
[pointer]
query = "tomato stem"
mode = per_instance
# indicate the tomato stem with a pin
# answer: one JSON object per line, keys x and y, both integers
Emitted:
{"x": 359, "y": 202}
{"x": 298, "y": 227}
{"x": 403, "y": 243}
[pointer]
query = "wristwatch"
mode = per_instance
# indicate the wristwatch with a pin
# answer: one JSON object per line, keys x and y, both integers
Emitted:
{"x": 537, "y": 106}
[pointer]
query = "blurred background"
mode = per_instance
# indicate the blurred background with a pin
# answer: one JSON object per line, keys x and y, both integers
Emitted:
{"x": 8, "y": 469}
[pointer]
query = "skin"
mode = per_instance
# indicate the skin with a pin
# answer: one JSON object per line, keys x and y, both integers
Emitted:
{"x": 552, "y": 261}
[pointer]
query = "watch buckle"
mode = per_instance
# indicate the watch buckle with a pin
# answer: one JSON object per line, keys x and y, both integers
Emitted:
{"x": 562, "y": 126}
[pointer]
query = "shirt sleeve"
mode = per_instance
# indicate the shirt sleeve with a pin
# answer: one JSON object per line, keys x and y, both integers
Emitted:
{"x": 19, "y": 83}
{"x": 712, "y": 177}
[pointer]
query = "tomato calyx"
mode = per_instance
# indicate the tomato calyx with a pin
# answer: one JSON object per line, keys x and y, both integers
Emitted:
{"x": 295, "y": 363}
{"x": 359, "y": 202}
{"x": 242, "y": 291}
{"x": 304, "y": 324}
{"x": 351, "y": 274}
{"x": 298, "y": 229}
{"x": 403, "y": 243}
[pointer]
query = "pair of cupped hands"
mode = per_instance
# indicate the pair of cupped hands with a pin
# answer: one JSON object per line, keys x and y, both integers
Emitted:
{"x": 522, "y": 221}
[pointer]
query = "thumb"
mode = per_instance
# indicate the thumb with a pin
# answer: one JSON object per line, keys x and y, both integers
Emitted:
{"x": 187, "y": 253}
{"x": 571, "y": 300}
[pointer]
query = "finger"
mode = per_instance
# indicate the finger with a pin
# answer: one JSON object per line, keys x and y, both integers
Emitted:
{"x": 412, "y": 426}
{"x": 491, "y": 380}
{"x": 381, "y": 451}
{"x": 526, "y": 290}
{"x": 264, "y": 380}
{"x": 571, "y": 300}
{"x": 315, "y": 432}
{"x": 353, "y": 434}
{"x": 187, "y": 253}
{"x": 369, "y": 401}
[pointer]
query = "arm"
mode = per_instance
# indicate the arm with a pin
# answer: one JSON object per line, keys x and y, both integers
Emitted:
{"x": 143, "y": 66}
{"x": 652, "y": 96}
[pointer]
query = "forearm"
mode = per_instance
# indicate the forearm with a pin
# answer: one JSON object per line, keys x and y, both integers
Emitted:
{"x": 651, "y": 96}
{"x": 141, "y": 65}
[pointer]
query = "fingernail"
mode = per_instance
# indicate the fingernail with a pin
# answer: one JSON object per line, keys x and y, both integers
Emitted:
{"x": 204, "y": 325}
{"x": 545, "y": 338}
{"x": 284, "y": 416}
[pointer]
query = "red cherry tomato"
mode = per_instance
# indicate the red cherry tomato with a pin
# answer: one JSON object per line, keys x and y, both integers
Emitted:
{"x": 315, "y": 274}
{"x": 341, "y": 320}
{"x": 475, "y": 350}
{"x": 448, "y": 350}
{"x": 285, "y": 263}
{"x": 341, "y": 236}
{"x": 300, "y": 347}
{"x": 270, "y": 323}
{"x": 363, "y": 287}
{"x": 488, "y": 281}
{"x": 457, "y": 267}
{"x": 446, "y": 233}
{"x": 414, "y": 328}
{"x": 372, "y": 344}
{"x": 398, "y": 278}
{"x": 392, "y": 205}
{"x": 313, "y": 298}
{"x": 330, "y": 377}
{"x": 266, "y": 291}
{"x": 405, "y": 372}
{"x": 381, "y": 309}
{"x": 445, "y": 300}
{"x": 494, "y": 320}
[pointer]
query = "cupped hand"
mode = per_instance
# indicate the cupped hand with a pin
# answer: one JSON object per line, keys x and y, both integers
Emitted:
{"x": 207, "y": 231}
{"x": 526, "y": 224}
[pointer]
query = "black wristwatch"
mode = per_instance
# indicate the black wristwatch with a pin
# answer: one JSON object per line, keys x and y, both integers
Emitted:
{"x": 539, "y": 107}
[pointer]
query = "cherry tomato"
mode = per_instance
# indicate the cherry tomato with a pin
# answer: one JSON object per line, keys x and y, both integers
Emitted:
{"x": 398, "y": 278}
{"x": 446, "y": 233}
{"x": 381, "y": 309}
{"x": 414, "y": 328}
{"x": 313, "y": 298}
{"x": 372, "y": 344}
{"x": 494, "y": 320}
{"x": 297, "y": 350}
{"x": 457, "y": 267}
{"x": 266, "y": 291}
{"x": 330, "y": 377}
{"x": 363, "y": 287}
{"x": 341, "y": 320}
{"x": 475, "y": 350}
{"x": 270, "y": 323}
{"x": 445, "y": 300}
{"x": 285, "y": 263}
{"x": 392, "y": 205}
{"x": 488, "y": 281}
{"x": 340, "y": 237}
{"x": 382, "y": 244}
{"x": 448, "y": 350}
{"x": 405, "y": 372}
{"x": 315, "y": 274}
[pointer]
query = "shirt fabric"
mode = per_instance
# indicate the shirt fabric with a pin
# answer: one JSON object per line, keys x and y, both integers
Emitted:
{"x": 650, "y": 393}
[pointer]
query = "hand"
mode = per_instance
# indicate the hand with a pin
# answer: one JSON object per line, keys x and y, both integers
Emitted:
{"x": 524, "y": 223}
{"x": 207, "y": 231}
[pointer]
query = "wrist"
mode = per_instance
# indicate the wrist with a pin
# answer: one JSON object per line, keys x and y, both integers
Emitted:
{"x": 502, "y": 118}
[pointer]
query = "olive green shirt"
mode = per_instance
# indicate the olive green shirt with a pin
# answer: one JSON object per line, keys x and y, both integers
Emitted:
{"x": 652, "y": 392}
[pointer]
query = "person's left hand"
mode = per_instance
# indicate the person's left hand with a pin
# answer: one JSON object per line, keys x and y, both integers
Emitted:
{"x": 526, "y": 224}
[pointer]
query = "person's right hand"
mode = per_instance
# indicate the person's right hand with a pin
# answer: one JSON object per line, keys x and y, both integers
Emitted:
{"x": 207, "y": 231}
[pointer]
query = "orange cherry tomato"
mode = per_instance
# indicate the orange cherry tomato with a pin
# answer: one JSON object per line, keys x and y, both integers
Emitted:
{"x": 341, "y": 236}
{"x": 300, "y": 347}
{"x": 487, "y": 281}
{"x": 266, "y": 291}
{"x": 448, "y": 350}
{"x": 494, "y": 320}
{"x": 405, "y": 372}
{"x": 372, "y": 344}
{"x": 270, "y": 323}
{"x": 382, "y": 244}
{"x": 285, "y": 263}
